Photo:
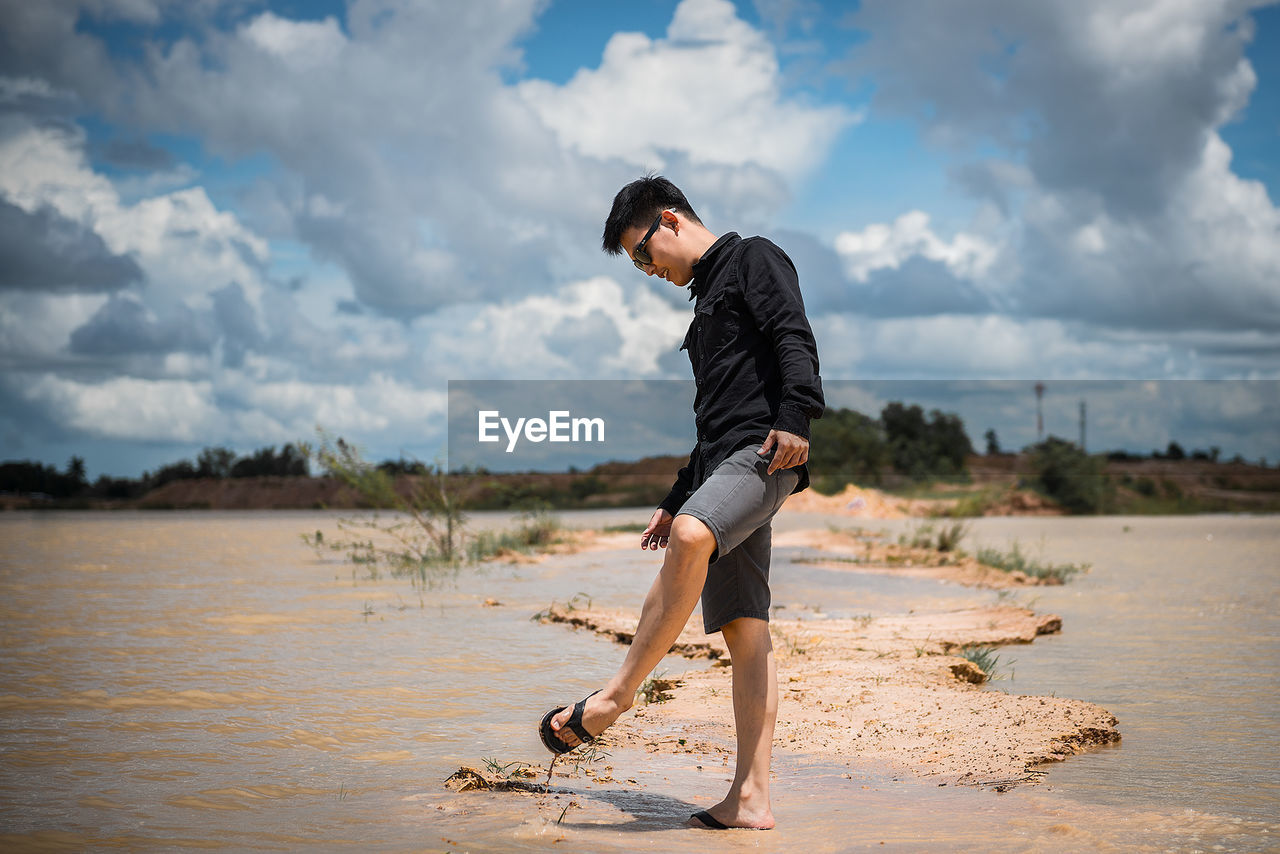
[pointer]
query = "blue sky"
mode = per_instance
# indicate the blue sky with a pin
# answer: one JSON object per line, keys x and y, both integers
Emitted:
{"x": 227, "y": 223}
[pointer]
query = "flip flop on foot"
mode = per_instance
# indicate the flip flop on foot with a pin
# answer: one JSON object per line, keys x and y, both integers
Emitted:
{"x": 706, "y": 821}
{"x": 709, "y": 822}
{"x": 552, "y": 740}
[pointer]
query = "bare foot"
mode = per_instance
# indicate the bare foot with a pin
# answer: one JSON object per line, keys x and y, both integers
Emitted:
{"x": 599, "y": 713}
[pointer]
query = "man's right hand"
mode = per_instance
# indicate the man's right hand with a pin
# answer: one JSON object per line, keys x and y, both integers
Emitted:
{"x": 655, "y": 536}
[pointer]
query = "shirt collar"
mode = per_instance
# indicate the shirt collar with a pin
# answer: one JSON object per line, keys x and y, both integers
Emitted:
{"x": 703, "y": 266}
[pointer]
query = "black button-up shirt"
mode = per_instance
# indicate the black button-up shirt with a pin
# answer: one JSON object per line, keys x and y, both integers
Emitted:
{"x": 755, "y": 361}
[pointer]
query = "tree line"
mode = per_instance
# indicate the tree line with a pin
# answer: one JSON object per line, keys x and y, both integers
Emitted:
{"x": 216, "y": 463}
{"x": 847, "y": 446}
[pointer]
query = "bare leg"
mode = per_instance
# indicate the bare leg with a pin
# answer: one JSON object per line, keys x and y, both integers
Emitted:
{"x": 666, "y": 610}
{"x": 755, "y": 712}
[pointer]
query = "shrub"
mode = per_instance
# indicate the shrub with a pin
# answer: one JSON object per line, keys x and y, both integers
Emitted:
{"x": 845, "y": 446}
{"x": 923, "y": 449}
{"x": 1070, "y": 476}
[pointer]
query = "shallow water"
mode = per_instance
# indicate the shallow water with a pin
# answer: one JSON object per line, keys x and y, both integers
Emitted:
{"x": 203, "y": 680}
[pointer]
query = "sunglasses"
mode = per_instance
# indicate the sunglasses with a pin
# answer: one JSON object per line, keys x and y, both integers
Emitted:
{"x": 639, "y": 257}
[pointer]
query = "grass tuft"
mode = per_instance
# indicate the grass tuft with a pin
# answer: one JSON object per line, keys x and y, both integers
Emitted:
{"x": 982, "y": 657}
{"x": 926, "y": 537}
{"x": 508, "y": 771}
{"x": 537, "y": 530}
{"x": 1014, "y": 560}
{"x": 576, "y": 601}
{"x": 655, "y": 689}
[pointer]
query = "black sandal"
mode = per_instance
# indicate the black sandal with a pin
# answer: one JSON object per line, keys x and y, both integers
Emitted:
{"x": 709, "y": 821}
{"x": 549, "y": 737}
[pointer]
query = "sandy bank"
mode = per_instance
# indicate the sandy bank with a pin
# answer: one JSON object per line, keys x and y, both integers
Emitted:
{"x": 854, "y": 551}
{"x": 868, "y": 503}
{"x": 847, "y": 551}
{"x": 878, "y": 688}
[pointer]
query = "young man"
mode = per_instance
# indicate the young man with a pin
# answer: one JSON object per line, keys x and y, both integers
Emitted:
{"x": 756, "y": 368}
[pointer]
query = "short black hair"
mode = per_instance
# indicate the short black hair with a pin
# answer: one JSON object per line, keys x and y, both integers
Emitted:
{"x": 638, "y": 204}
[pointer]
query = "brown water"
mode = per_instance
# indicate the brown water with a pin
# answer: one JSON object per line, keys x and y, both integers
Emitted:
{"x": 203, "y": 680}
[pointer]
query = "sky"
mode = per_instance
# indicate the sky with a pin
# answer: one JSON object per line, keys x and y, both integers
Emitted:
{"x": 230, "y": 222}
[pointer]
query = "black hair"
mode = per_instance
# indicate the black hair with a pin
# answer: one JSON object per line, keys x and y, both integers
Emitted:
{"x": 638, "y": 204}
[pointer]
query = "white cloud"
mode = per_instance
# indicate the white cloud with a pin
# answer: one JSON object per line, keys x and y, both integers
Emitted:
{"x": 710, "y": 90}
{"x": 295, "y": 408}
{"x": 186, "y": 246}
{"x": 129, "y": 408}
{"x": 234, "y": 408}
{"x": 517, "y": 340}
{"x": 1119, "y": 205}
{"x": 35, "y": 327}
{"x": 46, "y": 166}
{"x": 990, "y": 346}
{"x": 442, "y": 157}
{"x": 421, "y": 82}
{"x": 880, "y": 246}
{"x": 302, "y": 45}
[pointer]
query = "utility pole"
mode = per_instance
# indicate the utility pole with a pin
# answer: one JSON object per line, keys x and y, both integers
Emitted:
{"x": 1039, "y": 412}
{"x": 1082, "y": 447}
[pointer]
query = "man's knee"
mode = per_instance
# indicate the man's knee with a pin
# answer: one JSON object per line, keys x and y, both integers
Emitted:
{"x": 746, "y": 627}
{"x": 692, "y": 534}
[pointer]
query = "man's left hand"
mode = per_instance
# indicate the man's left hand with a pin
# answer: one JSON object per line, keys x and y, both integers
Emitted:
{"x": 789, "y": 450}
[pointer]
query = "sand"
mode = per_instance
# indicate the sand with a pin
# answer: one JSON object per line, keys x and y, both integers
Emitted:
{"x": 883, "y": 688}
{"x": 866, "y": 503}
{"x": 856, "y": 551}
{"x": 890, "y": 688}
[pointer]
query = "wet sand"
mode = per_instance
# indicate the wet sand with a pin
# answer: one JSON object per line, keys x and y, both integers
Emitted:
{"x": 881, "y": 688}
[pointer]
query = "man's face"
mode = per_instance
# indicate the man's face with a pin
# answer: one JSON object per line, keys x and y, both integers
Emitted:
{"x": 663, "y": 248}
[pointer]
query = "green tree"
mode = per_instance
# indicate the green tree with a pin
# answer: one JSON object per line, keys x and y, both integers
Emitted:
{"x": 923, "y": 448}
{"x": 265, "y": 462}
{"x": 904, "y": 429}
{"x": 76, "y": 473}
{"x": 993, "y": 443}
{"x": 846, "y": 446}
{"x": 948, "y": 442}
{"x": 215, "y": 462}
{"x": 403, "y": 466}
{"x": 181, "y": 470}
{"x": 1070, "y": 476}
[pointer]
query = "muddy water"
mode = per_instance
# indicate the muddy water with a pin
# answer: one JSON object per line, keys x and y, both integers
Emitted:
{"x": 203, "y": 680}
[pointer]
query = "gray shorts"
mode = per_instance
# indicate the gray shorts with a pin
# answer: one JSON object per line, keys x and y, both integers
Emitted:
{"x": 738, "y": 502}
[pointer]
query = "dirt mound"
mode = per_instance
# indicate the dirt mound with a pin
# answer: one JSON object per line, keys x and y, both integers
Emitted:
{"x": 851, "y": 501}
